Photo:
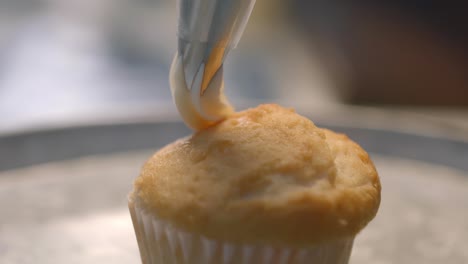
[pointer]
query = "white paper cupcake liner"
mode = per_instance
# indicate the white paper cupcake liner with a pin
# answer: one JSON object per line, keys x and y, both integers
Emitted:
{"x": 160, "y": 243}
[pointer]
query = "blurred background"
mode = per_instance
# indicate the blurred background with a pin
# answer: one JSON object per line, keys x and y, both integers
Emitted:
{"x": 84, "y": 81}
{"x": 62, "y": 59}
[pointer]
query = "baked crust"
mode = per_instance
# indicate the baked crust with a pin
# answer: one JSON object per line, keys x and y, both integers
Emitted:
{"x": 264, "y": 175}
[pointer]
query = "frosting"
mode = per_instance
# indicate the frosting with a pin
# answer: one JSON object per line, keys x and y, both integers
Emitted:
{"x": 198, "y": 110}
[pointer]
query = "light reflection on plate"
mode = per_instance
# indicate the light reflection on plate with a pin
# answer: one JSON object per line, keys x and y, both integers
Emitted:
{"x": 69, "y": 212}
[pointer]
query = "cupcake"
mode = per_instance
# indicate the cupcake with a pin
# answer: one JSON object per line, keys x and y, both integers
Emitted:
{"x": 262, "y": 186}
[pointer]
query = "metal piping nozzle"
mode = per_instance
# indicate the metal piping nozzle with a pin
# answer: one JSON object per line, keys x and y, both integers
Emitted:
{"x": 207, "y": 31}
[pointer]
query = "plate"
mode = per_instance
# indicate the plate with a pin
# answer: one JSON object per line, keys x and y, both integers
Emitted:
{"x": 63, "y": 194}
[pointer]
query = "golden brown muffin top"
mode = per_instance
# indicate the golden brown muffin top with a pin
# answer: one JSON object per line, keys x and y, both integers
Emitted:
{"x": 264, "y": 175}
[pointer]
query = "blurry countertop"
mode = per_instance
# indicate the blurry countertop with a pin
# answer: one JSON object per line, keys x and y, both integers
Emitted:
{"x": 56, "y": 71}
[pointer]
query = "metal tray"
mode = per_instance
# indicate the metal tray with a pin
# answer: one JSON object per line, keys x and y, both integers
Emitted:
{"x": 63, "y": 194}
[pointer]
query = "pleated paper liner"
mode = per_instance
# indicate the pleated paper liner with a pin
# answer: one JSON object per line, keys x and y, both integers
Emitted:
{"x": 161, "y": 243}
